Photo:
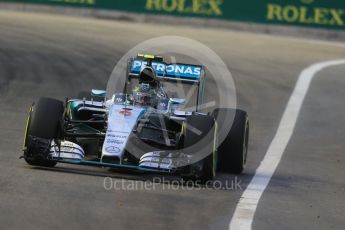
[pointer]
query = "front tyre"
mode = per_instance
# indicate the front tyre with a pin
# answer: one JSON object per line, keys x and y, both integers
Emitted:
{"x": 200, "y": 134}
{"x": 43, "y": 122}
{"x": 232, "y": 152}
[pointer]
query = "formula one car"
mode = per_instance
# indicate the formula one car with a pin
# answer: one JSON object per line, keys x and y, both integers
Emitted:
{"x": 140, "y": 128}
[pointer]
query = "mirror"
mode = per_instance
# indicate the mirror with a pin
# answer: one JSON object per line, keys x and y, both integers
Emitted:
{"x": 98, "y": 93}
{"x": 177, "y": 101}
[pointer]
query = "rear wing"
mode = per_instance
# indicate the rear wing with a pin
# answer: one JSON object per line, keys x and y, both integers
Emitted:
{"x": 185, "y": 73}
{"x": 176, "y": 72}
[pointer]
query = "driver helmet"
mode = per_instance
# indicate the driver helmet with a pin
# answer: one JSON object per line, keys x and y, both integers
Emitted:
{"x": 145, "y": 93}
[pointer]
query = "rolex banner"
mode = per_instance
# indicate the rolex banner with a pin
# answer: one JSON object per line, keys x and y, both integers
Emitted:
{"x": 328, "y": 14}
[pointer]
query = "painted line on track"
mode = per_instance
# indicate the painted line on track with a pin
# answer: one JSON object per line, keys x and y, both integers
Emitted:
{"x": 245, "y": 210}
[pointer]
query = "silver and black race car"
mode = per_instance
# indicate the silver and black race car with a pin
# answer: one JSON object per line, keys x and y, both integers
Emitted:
{"x": 141, "y": 128}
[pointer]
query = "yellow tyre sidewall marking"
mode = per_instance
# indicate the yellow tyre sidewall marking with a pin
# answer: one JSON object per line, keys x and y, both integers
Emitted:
{"x": 27, "y": 127}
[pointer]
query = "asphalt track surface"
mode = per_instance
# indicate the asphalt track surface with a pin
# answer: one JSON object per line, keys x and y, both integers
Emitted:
{"x": 58, "y": 56}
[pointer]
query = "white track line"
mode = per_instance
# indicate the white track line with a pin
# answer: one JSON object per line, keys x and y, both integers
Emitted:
{"x": 246, "y": 207}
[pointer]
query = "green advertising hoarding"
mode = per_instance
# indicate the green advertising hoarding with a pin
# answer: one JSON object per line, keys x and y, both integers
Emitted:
{"x": 328, "y": 14}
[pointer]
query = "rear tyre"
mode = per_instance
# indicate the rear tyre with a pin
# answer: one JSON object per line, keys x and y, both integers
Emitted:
{"x": 43, "y": 122}
{"x": 232, "y": 152}
{"x": 200, "y": 137}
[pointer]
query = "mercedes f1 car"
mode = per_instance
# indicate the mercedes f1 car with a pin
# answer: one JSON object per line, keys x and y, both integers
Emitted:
{"x": 141, "y": 128}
